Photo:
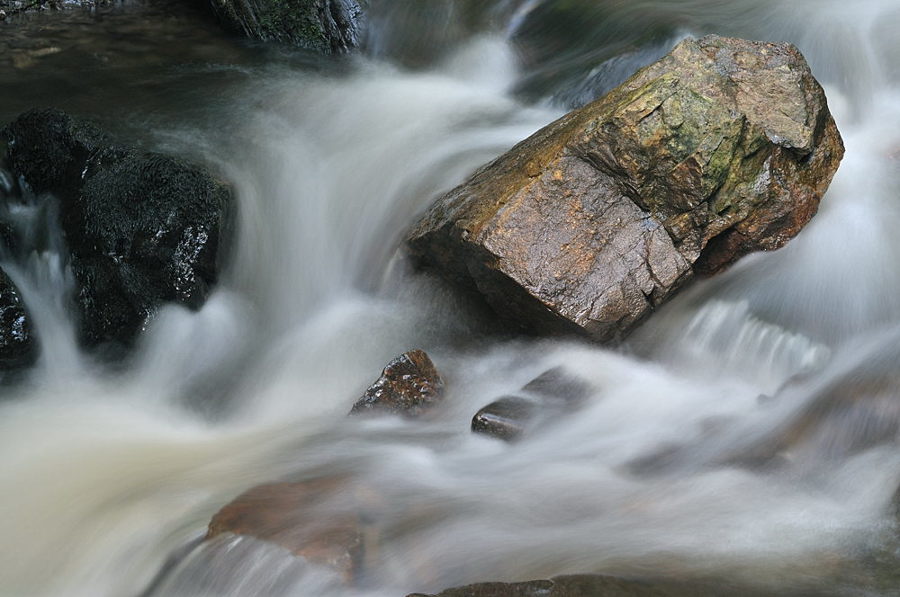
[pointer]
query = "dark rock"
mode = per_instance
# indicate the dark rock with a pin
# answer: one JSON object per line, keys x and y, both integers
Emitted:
{"x": 721, "y": 148}
{"x": 50, "y": 150}
{"x": 326, "y": 26}
{"x": 18, "y": 347}
{"x": 557, "y": 384}
{"x": 597, "y": 585}
{"x": 409, "y": 386}
{"x": 506, "y": 418}
{"x": 8, "y": 238}
{"x": 296, "y": 516}
{"x": 143, "y": 228}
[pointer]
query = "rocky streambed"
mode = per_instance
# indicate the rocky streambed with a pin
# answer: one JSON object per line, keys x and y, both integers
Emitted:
{"x": 193, "y": 267}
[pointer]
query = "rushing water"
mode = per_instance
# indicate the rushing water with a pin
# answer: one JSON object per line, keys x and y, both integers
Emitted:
{"x": 104, "y": 474}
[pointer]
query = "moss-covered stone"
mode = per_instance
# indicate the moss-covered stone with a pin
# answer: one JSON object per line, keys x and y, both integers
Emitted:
{"x": 17, "y": 344}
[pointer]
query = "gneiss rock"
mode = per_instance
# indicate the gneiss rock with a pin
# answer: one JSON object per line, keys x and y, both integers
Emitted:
{"x": 143, "y": 228}
{"x": 722, "y": 147}
{"x": 17, "y": 345}
{"x": 408, "y": 386}
{"x": 326, "y": 26}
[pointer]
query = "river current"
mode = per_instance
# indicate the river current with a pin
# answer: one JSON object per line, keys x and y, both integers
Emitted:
{"x": 105, "y": 472}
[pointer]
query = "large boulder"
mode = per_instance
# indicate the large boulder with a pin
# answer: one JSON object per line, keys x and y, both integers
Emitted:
{"x": 17, "y": 345}
{"x": 142, "y": 228}
{"x": 326, "y": 26}
{"x": 722, "y": 147}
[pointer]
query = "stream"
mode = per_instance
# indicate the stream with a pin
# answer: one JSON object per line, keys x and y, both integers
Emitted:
{"x": 107, "y": 471}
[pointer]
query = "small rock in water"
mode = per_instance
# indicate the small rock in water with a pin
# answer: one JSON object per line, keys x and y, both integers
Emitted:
{"x": 409, "y": 385}
{"x": 2, "y": 15}
{"x": 552, "y": 393}
{"x": 557, "y": 384}
{"x": 506, "y": 418}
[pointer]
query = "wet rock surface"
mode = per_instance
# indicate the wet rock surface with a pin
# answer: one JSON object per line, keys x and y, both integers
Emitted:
{"x": 288, "y": 515}
{"x": 545, "y": 398}
{"x": 597, "y": 585}
{"x": 410, "y": 385}
{"x": 558, "y": 385}
{"x": 143, "y": 228}
{"x": 326, "y": 26}
{"x": 18, "y": 347}
{"x": 722, "y": 147}
{"x": 506, "y": 418}
{"x": 839, "y": 419}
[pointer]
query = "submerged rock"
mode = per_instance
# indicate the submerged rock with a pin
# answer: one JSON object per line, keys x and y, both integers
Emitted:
{"x": 326, "y": 26}
{"x": 722, "y": 147}
{"x": 142, "y": 228}
{"x": 549, "y": 395}
{"x": 598, "y": 585}
{"x": 558, "y": 385}
{"x": 17, "y": 344}
{"x": 291, "y": 515}
{"x": 506, "y": 418}
{"x": 409, "y": 386}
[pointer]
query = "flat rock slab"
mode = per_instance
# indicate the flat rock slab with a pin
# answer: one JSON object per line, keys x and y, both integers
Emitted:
{"x": 722, "y": 147}
{"x": 290, "y": 515}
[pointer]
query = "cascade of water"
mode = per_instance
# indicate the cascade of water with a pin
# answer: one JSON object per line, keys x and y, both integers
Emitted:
{"x": 103, "y": 474}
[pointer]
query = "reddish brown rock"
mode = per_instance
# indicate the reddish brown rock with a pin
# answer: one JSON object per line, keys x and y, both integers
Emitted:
{"x": 722, "y": 147}
{"x": 408, "y": 386}
{"x": 296, "y": 516}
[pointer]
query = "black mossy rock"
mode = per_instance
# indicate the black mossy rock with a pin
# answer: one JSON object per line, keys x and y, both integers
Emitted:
{"x": 325, "y": 26}
{"x": 17, "y": 345}
{"x": 143, "y": 228}
{"x": 49, "y": 149}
